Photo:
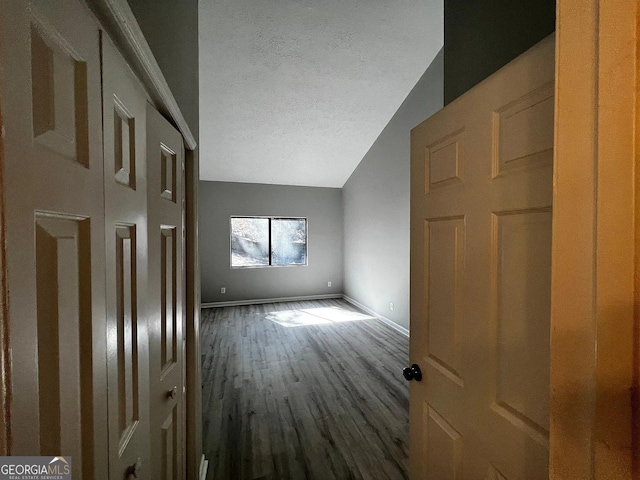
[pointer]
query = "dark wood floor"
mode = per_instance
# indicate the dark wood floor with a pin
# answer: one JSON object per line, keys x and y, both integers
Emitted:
{"x": 315, "y": 401}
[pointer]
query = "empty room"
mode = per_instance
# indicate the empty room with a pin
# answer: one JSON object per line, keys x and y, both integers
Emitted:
{"x": 304, "y": 232}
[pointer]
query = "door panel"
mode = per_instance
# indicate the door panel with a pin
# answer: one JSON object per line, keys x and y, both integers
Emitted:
{"x": 124, "y": 110}
{"x": 523, "y": 304}
{"x": 165, "y": 167}
{"x": 443, "y": 447}
{"x": 53, "y": 187}
{"x": 168, "y": 299}
{"x": 481, "y": 190}
{"x": 445, "y": 253}
{"x": 170, "y": 445}
{"x": 62, "y": 273}
{"x": 127, "y": 330}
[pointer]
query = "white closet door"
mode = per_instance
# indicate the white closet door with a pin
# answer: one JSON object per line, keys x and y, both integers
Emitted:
{"x": 53, "y": 187}
{"x": 165, "y": 167}
{"x": 125, "y": 176}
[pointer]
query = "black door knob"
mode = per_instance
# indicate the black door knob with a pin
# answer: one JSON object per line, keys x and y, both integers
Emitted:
{"x": 412, "y": 373}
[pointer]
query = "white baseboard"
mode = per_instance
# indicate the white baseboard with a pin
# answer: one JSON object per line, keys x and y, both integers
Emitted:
{"x": 204, "y": 465}
{"x": 382, "y": 318}
{"x": 258, "y": 301}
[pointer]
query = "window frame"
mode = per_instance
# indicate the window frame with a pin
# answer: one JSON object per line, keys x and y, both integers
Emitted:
{"x": 270, "y": 218}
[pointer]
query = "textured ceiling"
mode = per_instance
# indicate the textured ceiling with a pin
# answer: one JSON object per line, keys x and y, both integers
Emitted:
{"x": 295, "y": 92}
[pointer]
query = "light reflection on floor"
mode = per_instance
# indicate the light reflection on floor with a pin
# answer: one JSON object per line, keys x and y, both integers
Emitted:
{"x": 315, "y": 316}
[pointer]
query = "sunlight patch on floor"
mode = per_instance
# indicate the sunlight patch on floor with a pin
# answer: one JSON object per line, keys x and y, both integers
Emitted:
{"x": 315, "y": 316}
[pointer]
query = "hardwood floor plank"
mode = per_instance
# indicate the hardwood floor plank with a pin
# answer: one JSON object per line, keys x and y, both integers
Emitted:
{"x": 324, "y": 399}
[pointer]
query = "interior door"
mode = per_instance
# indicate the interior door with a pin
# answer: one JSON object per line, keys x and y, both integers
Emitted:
{"x": 53, "y": 187}
{"x": 125, "y": 173}
{"x": 481, "y": 193}
{"x": 165, "y": 180}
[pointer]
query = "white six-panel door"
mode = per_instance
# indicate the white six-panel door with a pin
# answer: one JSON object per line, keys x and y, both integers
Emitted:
{"x": 481, "y": 192}
{"x": 53, "y": 184}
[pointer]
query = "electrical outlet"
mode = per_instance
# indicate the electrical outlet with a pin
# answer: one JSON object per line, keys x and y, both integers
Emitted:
{"x": 328, "y": 284}
{"x": 223, "y": 290}
{"x": 391, "y": 306}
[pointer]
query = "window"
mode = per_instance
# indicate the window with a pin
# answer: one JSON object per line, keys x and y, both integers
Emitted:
{"x": 268, "y": 241}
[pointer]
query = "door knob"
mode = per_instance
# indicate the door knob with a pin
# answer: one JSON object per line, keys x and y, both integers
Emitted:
{"x": 173, "y": 393}
{"x": 412, "y": 373}
{"x": 134, "y": 470}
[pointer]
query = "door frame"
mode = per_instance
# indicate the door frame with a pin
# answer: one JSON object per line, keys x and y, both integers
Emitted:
{"x": 594, "y": 317}
{"x": 196, "y": 463}
{"x": 5, "y": 370}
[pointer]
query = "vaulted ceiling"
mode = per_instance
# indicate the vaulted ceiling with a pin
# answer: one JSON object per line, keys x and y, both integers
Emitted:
{"x": 295, "y": 92}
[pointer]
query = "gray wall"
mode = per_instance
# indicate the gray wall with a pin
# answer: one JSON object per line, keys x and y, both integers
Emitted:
{"x": 376, "y": 207}
{"x": 321, "y": 206}
{"x": 481, "y": 36}
{"x": 171, "y": 28}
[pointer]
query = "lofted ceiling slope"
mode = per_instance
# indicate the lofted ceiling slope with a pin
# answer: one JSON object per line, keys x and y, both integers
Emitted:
{"x": 295, "y": 92}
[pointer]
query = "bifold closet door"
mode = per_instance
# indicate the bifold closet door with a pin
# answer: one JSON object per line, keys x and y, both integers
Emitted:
{"x": 53, "y": 188}
{"x": 165, "y": 187}
{"x": 125, "y": 177}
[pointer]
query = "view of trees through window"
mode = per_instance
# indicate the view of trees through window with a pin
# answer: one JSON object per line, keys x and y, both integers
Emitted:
{"x": 260, "y": 241}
